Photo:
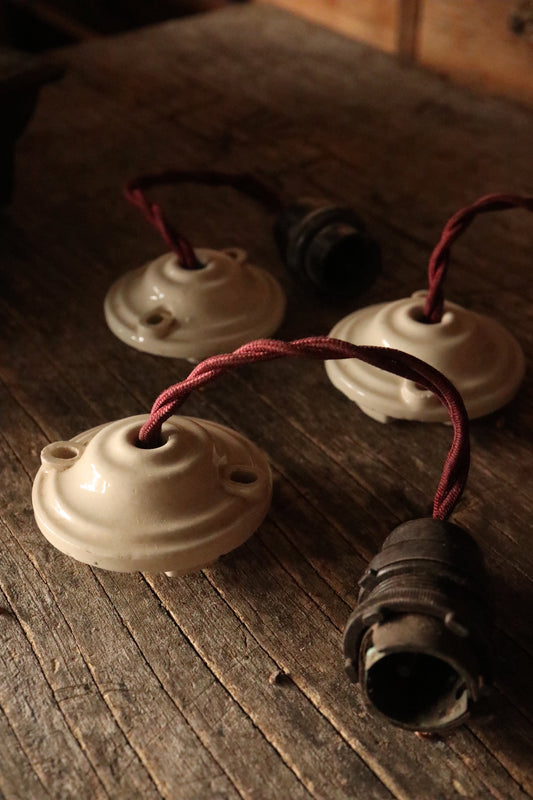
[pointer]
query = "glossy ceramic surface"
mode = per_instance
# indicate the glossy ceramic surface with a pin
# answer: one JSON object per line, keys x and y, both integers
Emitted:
{"x": 176, "y": 508}
{"x": 164, "y": 309}
{"x": 482, "y": 359}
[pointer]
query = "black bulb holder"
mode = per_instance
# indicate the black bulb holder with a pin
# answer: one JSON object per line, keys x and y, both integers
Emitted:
{"x": 417, "y": 642}
{"x": 327, "y": 246}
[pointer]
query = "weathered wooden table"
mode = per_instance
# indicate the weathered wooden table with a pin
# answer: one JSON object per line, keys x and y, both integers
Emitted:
{"x": 125, "y": 686}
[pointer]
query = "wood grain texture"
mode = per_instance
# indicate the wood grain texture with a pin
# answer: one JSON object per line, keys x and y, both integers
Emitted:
{"x": 372, "y": 22}
{"x": 470, "y": 42}
{"x": 408, "y": 29}
{"x": 127, "y": 686}
{"x": 473, "y": 44}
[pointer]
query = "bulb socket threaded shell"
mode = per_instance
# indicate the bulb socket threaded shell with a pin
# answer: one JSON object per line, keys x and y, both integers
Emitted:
{"x": 327, "y": 246}
{"x": 417, "y": 642}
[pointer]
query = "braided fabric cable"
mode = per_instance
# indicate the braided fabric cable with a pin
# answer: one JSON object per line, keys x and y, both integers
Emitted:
{"x": 156, "y": 217}
{"x": 455, "y": 470}
{"x": 440, "y": 257}
{"x": 244, "y": 183}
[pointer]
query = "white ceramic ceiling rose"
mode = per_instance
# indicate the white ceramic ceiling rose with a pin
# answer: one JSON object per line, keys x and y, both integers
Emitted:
{"x": 167, "y": 310}
{"x": 478, "y": 355}
{"x": 175, "y": 508}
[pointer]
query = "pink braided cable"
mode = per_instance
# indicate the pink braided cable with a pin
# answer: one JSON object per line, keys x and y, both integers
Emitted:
{"x": 247, "y": 184}
{"x": 440, "y": 257}
{"x": 455, "y": 470}
{"x": 154, "y": 214}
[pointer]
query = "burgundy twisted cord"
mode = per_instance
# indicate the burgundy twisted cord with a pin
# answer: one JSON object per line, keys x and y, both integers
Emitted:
{"x": 440, "y": 257}
{"x": 155, "y": 216}
{"x": 243, "y": 182}
{"x": 455, "y": 470}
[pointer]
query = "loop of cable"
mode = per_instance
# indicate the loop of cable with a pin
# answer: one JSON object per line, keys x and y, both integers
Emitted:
{"x": 244, "y": 183}
{"x": 440, "y": 257}
{"x": 455, "y": 469}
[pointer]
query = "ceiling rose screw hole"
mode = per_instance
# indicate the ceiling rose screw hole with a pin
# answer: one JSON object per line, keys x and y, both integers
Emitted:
{"x": 59, "y": 455}
{"x": 63, "y": 451}
{"x": 243, "y": 476}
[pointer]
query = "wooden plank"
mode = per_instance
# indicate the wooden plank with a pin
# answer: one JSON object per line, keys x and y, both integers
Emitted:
{"x": 451, "y": 37}
{"x": 246, "y": 672}
{"x": 166, "y": 678}
{"x": 473, "y": 44}
{"x": 372, "y": 22}
{"x": 36, "y": 718}
{"x": 21, "y": 779}
{"x": 408, "y": 29}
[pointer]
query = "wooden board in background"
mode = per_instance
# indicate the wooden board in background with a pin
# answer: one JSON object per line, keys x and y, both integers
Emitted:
{"x": 471, "y": 42}
{"x": 372, "y": 22}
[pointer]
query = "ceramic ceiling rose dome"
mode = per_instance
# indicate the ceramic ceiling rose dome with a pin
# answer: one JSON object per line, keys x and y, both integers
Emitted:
{"x": 481, "y": 358}
{"x": 475, "y": 352}
{"x": 168, "y": 310}
{"x": 175, "y": 508}
{"x": 193, "y": 303}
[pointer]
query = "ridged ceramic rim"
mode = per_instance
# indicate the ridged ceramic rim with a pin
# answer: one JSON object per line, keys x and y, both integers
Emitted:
{"x": 246, "y": 303}
{"x": 482, "y": 359}
{"x": 162, "y": 543}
